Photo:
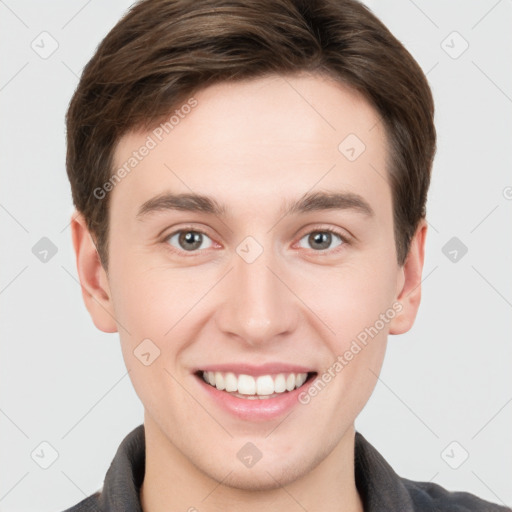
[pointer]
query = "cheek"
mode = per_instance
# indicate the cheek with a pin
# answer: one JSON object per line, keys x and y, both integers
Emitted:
{"x": 357, "y": 305}
{"x": 159, "y": 303}
{"x": 155, "y": 309}
{"x": 350, "y": 299}
{"x": 150, "y": 301}
{"x": 162, "y": 314}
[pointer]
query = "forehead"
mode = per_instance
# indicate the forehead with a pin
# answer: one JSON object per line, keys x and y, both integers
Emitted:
{"x": 278, "y": 134}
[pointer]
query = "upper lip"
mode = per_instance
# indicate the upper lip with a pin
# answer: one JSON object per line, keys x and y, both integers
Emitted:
{"x": 249, "y": 369}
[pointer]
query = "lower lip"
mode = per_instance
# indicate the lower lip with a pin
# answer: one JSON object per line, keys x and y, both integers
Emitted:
{"x": 264, "y": 409}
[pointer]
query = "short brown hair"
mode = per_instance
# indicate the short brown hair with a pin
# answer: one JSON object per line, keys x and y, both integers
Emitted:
{"x": 163, "y": 51}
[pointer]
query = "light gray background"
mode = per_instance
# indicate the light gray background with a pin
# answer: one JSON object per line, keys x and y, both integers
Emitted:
{"x": 448, "y": 379}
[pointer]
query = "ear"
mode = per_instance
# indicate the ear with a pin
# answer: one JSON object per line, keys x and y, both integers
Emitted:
{"x": 409, "y": 282}
{"x": 93, "y": 278}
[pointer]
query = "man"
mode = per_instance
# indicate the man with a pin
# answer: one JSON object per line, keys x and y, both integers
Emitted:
{"x": 290, "y": 144}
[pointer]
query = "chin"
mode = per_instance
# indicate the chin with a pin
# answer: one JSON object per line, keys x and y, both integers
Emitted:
{"x": 262, "y": 480}
{"x": 261, "y": 477}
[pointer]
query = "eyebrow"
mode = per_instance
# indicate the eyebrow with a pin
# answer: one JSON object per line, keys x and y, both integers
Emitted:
{"x": 315, "y": 201}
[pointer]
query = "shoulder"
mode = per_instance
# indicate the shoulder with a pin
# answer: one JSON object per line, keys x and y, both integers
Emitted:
{"x": 91, "y": 503}
{"x": 431, "y": 497}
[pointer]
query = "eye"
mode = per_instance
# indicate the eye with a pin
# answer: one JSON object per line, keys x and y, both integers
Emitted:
{"x": 321, "y": 239}
{"x": 193, "y": 240}
{"x": 188, "y": 240}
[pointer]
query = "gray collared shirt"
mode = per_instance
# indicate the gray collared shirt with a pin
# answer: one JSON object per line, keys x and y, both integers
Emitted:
{"x": 381, "y": 489}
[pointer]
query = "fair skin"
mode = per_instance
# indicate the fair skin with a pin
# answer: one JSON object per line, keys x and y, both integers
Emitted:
{"x": 253, "y": 146}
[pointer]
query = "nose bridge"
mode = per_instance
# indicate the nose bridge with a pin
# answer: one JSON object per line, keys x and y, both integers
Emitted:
{"x": 258, "y": 306}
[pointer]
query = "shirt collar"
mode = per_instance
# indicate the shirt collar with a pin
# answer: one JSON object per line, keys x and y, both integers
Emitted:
{"x": 380, "y": 488}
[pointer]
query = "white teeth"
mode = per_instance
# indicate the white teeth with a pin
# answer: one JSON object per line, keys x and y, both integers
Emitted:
{"x": 231, "y": 382}
{"x": 219, "y": 381}
{"x": 300, "y": 378}
{"x": 246, "y": 385}
{"x": 280, "y": 383}
{"x": 265, "y": 385}
{"x": 290, "y": 382}
{"x": 254, "y": 387}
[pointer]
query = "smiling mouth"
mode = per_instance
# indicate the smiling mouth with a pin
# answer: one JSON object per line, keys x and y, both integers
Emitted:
{"x": 256, "y": 388}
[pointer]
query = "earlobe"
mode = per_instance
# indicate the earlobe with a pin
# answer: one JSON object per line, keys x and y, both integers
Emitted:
{"x": 409, "y": 282}
{"x": 92, "y": 275}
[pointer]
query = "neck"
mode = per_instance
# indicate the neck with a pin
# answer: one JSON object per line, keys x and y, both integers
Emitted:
{"x": 172, "y": 482}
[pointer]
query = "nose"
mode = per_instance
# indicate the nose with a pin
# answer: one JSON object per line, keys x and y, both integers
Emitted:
{"x": 259, "y": 305}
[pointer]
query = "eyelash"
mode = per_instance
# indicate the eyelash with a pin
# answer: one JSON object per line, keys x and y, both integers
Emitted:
{"x": 344, "y": 239}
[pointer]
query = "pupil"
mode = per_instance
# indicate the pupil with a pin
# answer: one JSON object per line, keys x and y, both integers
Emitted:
{"x": 191, "y": 237}
{"x": 318, "y": 237}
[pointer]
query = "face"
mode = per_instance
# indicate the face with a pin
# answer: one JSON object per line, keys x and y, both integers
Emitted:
{"x": 286, "y": 266}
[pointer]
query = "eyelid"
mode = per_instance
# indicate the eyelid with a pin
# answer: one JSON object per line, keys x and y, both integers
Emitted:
{"x": 174, "y": 250}
{"x": 346, "y": 239}
{"x": 342, "y": 233}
